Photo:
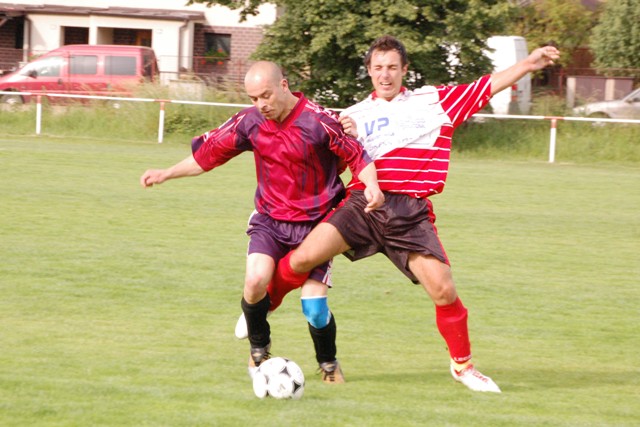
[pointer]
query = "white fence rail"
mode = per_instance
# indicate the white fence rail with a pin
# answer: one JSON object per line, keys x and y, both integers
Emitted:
{"x": 162, "y": 102}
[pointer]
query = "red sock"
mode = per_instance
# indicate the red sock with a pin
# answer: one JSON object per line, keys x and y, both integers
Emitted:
{"x": 284, "y": 281}
{"x": 452, "y": 324}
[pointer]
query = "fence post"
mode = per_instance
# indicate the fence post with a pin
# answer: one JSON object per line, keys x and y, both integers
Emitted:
{"x": 552, "y": 140}
{"x": 161, "y": 123}
{"x": 38, "y": 114}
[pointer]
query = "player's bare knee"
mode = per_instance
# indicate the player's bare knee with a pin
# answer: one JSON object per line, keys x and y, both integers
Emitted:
{"x": 254, "y": 286}
{"x": 301, "y": 261}
{"x": 447, "y": 295}
{"x": 442, "y": 293}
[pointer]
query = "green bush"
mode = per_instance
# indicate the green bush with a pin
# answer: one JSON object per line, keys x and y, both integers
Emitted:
{"x": 547, "y": 104}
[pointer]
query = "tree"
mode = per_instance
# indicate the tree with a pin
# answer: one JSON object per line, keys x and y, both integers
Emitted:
{"x": 615, "y": 40}
{"x": 248, "y": 7}
{"x": 321, "y": 43}
{"x": 563, "y": 23}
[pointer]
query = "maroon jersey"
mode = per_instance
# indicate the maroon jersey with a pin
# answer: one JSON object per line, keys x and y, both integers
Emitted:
{"x": 297, "y": 161}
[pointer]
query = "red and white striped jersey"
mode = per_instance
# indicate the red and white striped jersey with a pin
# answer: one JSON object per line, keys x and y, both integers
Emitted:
{"x": 409, "y": 137}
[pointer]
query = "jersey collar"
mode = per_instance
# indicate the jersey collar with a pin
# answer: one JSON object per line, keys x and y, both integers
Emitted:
{"x": 297, "y": 109}
{"x": 374, "y": 94}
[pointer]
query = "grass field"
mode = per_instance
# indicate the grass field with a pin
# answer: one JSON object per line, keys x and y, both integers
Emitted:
{"x": 117, "y": 304}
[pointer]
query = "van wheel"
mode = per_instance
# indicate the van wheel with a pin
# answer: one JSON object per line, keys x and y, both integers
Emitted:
{"x": 11, "y": 99}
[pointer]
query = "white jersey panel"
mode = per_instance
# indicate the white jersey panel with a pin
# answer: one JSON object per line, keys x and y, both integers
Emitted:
{"x": 412, "y": 119}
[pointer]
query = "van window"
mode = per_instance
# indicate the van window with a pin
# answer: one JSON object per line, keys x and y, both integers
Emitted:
{"x": 47, "y": 67}
{"x": 83, "y": 64}
{"x": 120, "y": 65}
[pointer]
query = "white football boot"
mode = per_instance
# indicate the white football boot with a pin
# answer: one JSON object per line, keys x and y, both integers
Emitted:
{"x": 473, "y": 379}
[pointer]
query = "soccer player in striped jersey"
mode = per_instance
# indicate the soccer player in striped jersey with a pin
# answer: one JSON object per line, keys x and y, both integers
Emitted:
{"x": 299, "y": 150}
{"x": 408, "y": 133}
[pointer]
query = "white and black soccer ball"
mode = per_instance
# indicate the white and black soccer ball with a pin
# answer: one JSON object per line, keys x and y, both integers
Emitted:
{"x": 279, "y": 378}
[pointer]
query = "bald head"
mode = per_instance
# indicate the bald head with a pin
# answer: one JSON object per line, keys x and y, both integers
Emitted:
{"x": 269, "y": 90}
{"x": 263, "y": 72}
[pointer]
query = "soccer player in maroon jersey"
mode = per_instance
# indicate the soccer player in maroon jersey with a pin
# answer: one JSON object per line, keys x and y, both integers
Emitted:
{"x": 408, "y": 135}
{"x": 299, "y": 150}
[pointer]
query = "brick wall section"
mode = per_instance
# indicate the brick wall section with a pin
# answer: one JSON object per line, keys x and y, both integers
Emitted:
{"x": 244, "y": 42}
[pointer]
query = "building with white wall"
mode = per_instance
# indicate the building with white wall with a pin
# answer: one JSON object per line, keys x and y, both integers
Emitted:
{"x": 186, "y": 39}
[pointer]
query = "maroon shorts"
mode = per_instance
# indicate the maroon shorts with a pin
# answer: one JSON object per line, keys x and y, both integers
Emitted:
{"x": 276, "y": 238}
{"x": 403, "y": 225}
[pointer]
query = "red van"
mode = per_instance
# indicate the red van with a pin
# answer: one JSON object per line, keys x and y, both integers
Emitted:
{"x": 84, "y": 70}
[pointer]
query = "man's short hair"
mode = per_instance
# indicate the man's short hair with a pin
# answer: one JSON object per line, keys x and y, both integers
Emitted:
{"x": 385, "y": 44}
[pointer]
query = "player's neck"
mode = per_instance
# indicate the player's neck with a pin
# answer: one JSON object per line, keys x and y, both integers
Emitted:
{"x": 292, "y": 100}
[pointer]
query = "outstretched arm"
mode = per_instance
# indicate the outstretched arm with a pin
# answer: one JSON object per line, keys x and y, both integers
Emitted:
{"x": 537, "y": 60}
{"x": 187, "y": 167}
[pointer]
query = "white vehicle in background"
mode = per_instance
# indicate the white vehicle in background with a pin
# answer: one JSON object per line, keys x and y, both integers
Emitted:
{"x": 507, "y": 51}
{"x": 628, "y": 107}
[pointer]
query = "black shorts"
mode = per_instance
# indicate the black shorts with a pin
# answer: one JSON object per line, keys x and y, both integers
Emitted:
{"x": 403, "y": 225}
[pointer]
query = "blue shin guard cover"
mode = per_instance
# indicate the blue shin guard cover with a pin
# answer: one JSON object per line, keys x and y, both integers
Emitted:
{"x": 316, "y": 310}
